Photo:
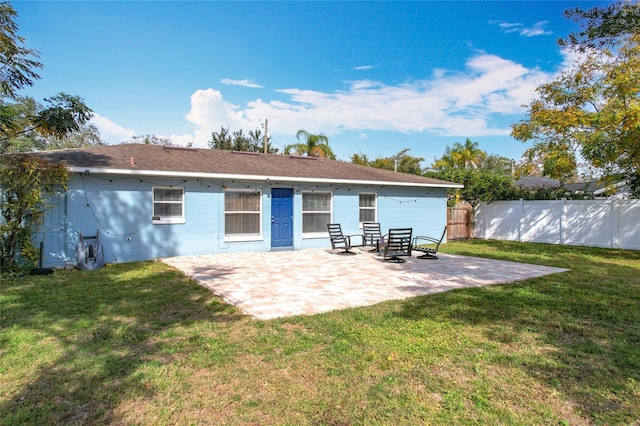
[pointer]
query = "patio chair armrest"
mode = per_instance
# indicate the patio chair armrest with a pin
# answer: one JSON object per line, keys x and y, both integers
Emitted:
{"x": 427, "y": 240}
{"x": 348, "y": 237}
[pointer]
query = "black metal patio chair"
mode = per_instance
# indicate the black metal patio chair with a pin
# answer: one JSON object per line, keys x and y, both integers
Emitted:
{"x": 395, "y": 244}
{"x": 428, "y": 245}
{"x": 371, "y": 234}
{"x": 338, "y": 239}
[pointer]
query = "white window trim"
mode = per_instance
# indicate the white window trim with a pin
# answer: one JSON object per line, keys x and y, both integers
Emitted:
{"x": 243, "y": 237}
{"x": 374, "y": 208}
{"x": 160, "y": 220}
{"x": 323, "y": 234}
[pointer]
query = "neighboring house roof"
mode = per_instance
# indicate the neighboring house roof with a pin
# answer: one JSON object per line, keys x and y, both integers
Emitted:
{"x": 586, "y": 187}
{"x": 621, "y": 190}
{"x": 531, "y": 182}
{"x": 597, "y": 189}
{"x": 154, "y": 160}
{"x": 600, "y": 189}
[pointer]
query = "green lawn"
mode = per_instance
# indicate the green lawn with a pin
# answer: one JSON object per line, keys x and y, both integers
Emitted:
{"x": 141, "y": 344}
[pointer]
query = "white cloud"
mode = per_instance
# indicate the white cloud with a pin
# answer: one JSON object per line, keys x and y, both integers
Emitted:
{"x": 182, "y": 140}
{"x": 537, "y": 29}
{"x": 448, "y": 104}
{"x": 365, "y": 67}
{"x": 209, "y": 111}
{"x": 244, "y": 83}
{"x": 111, "y": 132}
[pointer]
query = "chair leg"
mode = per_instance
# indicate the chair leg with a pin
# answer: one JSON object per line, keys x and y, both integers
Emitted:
{"x": 347, "y": 250}
{"x": 427, "y": 256}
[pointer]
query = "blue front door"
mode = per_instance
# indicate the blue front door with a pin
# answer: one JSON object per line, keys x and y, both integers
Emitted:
{"x": 281, "y": 217}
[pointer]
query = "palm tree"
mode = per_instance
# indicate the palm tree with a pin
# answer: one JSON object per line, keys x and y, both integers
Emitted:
{"x": 464, "y": 156}
{"x": 446, "y": 161}
{"x": 314, "y": 145}
{"x": 469, "y": 154}
{"x": 360, "y": 159}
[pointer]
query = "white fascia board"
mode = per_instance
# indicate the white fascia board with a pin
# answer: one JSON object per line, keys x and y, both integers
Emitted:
{"x": 254, "y": 178}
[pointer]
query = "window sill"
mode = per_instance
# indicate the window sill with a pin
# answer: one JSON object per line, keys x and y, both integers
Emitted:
{"x": 242, "y": 238}
{"x": 168, "y": 221}
{"x": 315, "y": 235}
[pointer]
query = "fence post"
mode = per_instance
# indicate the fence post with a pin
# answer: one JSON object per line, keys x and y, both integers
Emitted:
{"x": 520, "y": 220}
{"x": 563, "y": 220}
{"x": 472, "y": 222}
{"x": 614, "y": 223}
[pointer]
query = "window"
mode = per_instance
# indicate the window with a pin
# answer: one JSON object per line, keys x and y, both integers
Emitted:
{"x": 168, "y": 205}
{"x": 242, "y": 214}
{"x": 367, "y": 210}
{"x": 316, "y": 212}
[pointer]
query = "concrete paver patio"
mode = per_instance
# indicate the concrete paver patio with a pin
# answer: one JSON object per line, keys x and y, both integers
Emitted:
{"x": 269, "y": 285}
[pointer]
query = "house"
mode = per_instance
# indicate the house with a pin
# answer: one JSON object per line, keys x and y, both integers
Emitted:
{"x": 148, "y": 201}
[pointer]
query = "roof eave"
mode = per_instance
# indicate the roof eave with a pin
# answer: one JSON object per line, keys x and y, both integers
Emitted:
{"x": 254, "y": 178}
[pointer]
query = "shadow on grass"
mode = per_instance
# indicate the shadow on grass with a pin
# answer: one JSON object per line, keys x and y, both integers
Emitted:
{"x": 586, "y": 320}
{"x": 89, "y": 340}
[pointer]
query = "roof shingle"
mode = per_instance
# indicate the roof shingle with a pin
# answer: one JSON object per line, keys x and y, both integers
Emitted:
{"x": 150, "y": 159}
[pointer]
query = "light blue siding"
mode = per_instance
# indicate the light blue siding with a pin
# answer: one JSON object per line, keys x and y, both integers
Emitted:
{"x": 121, "y": 208}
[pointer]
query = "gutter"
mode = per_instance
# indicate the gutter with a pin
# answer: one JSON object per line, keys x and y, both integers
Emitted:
{"x": 256, "y": 178}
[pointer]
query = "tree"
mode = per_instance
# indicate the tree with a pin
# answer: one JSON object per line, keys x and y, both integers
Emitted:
{"x": 602, "y": 27}
{"x": 486, "y": 186}
{"x": 87, "y": 135}
{"x": 235, "y": 141}
{"x": 16, "y": 115}
{"x": 238, "y": 141}
{"x": 479, "y": 186}
{"x": 593, "y": 110}
{"x": 462, "y": 156}
{"x": 30, "y": 138}
{"x": 258, "y": 140}
{"x": 62, "y": 115}
{"x": 498, "y": 164}
{"x": 314, "y": 145}
{"x": 26, "y": 183}
{"x": 360, "y": 159}
{"x": 150, "y": 139}
{"x": 401, "y": 162}
{"x": 18, "y": 62}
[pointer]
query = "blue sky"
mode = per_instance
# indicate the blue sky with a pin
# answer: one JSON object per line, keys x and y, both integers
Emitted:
{"x": 375, "y": 77}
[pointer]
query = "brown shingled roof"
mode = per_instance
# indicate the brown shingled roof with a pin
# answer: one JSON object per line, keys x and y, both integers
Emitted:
{"x": 150, "y": 159}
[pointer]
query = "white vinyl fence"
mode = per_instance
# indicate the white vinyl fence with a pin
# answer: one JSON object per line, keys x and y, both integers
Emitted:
{"x": 599, "y": 223}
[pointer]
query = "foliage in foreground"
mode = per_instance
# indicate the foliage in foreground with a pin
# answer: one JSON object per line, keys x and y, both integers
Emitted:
{"x": 141, "y": 344}
{"x": 26, "y": 184}
{"x": 592, "y": 111}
